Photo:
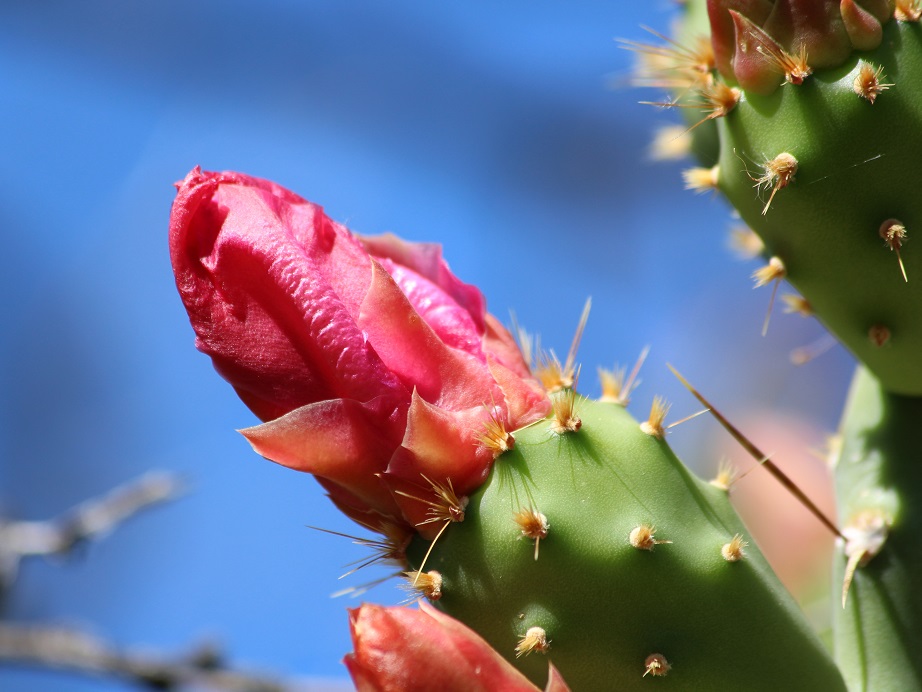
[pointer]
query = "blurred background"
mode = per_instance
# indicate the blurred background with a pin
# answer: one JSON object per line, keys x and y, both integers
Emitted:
{"x": 506, "y": 131}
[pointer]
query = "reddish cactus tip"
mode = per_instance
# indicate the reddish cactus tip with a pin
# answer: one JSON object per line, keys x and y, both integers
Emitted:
{"x": 760, "y": 60}
{"x": 733, "y": 551}
{"x": 756, "y": 41}
{"x": 643, "y": 537}
{"x": 653, "y": 426}
{"x": 656, "y": 665}
{"x": 723, "y": 28}
{"x": 534, "y": 640}
{"x": 862, "y": 27}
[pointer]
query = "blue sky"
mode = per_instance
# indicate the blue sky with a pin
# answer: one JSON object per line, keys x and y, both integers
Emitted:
{"x": 506, "y": 131}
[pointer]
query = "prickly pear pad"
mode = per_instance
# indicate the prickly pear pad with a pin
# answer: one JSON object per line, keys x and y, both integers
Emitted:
{"x": 638, "y": 581}
{"x": 857, "y": 168}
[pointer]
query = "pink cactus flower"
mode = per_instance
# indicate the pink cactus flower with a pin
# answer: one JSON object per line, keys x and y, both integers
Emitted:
{"x": 372, "y": 366}
{"x": 409, "y": 650}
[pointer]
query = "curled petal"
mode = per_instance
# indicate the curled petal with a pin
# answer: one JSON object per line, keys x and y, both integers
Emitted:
{"x": 341, "y": 441}
{"x": 452, "y": 324}
{"x": 426, "y": 259}
{"x": 441, "y": 445}
{"x": 413, "y": 351}
{"x": 408, "y": 650}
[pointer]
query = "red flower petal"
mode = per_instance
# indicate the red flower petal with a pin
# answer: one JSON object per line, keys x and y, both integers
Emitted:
{"x": 326, "y": 336}
{"x": 273, "y": 287}
{"x": 443, "y": 444}
{"x": 406, "y": 650}
{"x": 342, "y": 441}
{"x": 412, "y": 350}
{"x": 426, "y": 259}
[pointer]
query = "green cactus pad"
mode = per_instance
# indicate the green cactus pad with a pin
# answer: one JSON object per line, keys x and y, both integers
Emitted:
{"x": 857, "y": 167}
{"x": 608, "y": 608}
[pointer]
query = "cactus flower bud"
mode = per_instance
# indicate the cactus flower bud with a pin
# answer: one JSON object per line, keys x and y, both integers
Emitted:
{"x": 369, "y": 362}
{"x": 757, "y": 41}
{"x": 415, "y": 650}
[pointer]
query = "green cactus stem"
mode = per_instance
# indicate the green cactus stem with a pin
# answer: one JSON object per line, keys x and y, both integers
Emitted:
{"x": 879, "y": 483}
{"x": 591, "y": 545}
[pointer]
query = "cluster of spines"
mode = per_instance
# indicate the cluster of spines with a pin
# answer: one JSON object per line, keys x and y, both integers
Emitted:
{"x": 689, "y": 74}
